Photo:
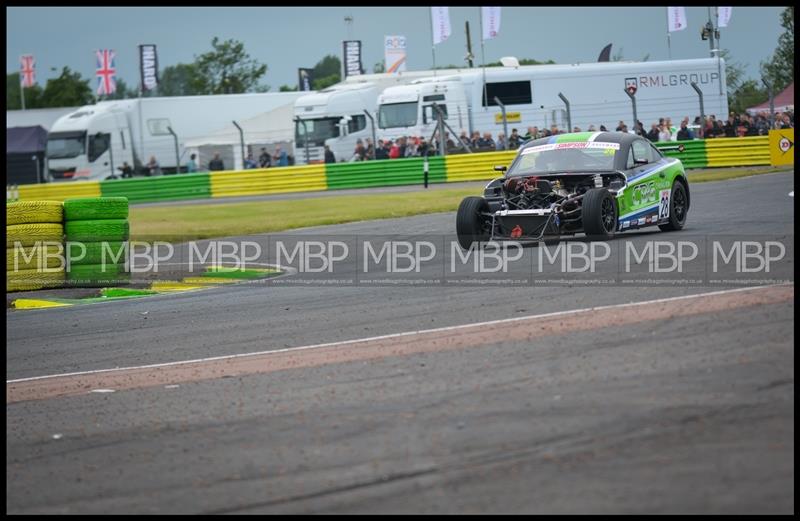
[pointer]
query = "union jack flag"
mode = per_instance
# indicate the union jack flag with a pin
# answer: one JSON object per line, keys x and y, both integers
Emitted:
{"x": 28, "y": 71}
{"x": 106, "y": 71}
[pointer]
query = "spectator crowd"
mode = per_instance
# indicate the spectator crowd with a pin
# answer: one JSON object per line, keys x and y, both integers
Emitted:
{"x": 737, "y": 125}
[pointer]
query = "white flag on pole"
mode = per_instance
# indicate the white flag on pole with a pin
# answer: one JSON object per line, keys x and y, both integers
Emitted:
{"x": 440, "y": 16}
{"x": 676, "y": 19}
{"x": 724, "y": 16}
{"x": 491, "y": 22}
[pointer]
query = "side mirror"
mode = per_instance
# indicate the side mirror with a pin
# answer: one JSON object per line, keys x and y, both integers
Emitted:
{"x": 500, "y": 168}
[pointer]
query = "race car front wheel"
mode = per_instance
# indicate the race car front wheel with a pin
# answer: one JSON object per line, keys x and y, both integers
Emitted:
{"x": 678, "y": 207}
{"x": 470, "y": 224}
{"x": 599, "y": 214}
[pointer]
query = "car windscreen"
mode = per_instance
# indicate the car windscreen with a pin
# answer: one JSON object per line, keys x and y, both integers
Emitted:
{"x": 62, "y": 145}
{"x": 565, "y": 157}
{"x": 318, "y": 130}
{"x": 392, "y": 115}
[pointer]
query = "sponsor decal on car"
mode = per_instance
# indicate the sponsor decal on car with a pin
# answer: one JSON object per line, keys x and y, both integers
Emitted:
{"x": 642, "y": 221}
{"x": 663, "y": 205}
{"x": 579, "y": 144}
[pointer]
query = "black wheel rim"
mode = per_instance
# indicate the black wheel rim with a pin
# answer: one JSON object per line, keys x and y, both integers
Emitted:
{"x": 608, "y": 215}
{"x": 679, "y": 204}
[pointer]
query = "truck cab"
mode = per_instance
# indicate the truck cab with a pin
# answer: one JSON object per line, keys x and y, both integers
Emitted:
{"x": 407, "y": 110}
{"x": 88, "y": 144}
{"x": 334, "y": 117}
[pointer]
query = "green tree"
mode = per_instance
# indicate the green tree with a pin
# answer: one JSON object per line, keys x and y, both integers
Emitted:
{"x": 123, "y": 91}
{"x": 747, "y": 94}
{"x": 33, "y": 95}
{"x": 68, "y": 90}
{"x": 379, "y": 67}
{"x": 326, "y": 72}
{"x": 227, "y": 69}
{"x": 618, "y": 56}
{"x": 178, "y": 80}
{"x": 327, "y": 66}
{"x": 779, "y": 70}
{"x": 286, "y": 88}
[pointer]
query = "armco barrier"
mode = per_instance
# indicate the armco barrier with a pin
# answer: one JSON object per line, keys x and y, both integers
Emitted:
{"x": 478, "y": 166}
{"x": 306, "y": 178}
{"x": 738, "y": 151}
{"x": 719, "y": 152}
{"x": 59, "y": 191}
{"x": 161, "y": 188}
{"x": 394, "y": 172}
{"x": 693, "y": 155}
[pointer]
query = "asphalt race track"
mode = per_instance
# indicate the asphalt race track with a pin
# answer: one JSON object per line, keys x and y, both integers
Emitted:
{"x": 680, "y": 405}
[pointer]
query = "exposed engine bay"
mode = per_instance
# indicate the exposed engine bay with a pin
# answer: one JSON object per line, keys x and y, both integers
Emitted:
{"x": 555, "y": 201}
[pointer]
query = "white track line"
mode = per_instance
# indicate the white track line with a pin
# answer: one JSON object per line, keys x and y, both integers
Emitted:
{"x": 398, "y": 335}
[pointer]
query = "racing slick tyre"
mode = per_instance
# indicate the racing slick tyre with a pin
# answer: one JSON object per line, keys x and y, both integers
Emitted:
{"x": 103, "y": 252}
{"x": 470, "y": 223}
{"x": 34, "y": 257}
{"x": 30, "y": 212}
{"x": 98, "y": 230}
{"x": 678, "y": 208}
{"x": 30, "y": 234}
{"x": 89, "y": 208}
{"x": 94, "y": 275}
{"x": 599, "y": 214}
{"x": 28, "y": 280}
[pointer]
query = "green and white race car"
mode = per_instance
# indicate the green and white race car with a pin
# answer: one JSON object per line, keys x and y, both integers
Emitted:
{"x": 597, "y": 183}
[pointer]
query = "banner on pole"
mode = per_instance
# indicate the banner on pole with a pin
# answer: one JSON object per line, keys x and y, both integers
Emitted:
{"x": 27, "y": 70}
{"x": 305, "y": 79}
{"x": 394, "y": 53}
{"x": 676, "y": 19}
{"x": 352, "y": 58}
{"x": 148, "y": 63}
{"x": 724, "y": 16}
{"x": 440, "y": 17}
{"x": 106, "y": 71}
{"x": 490, "y": 17}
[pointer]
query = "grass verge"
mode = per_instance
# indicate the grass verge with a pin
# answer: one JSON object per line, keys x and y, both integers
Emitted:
{"x": 184, "y": 223}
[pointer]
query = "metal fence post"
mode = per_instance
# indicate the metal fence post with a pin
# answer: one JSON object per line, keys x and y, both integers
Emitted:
{"x": 632, "y": 95}
{"x": 702, "y": 109}
{"x": 503, "y": 111}
{"x": 569, "y": 113}
{"x": 241, "y": 141}
{"x": 771, "y": 103}
{"x": 374, "y": 137}
{"x": 177, "y": 154}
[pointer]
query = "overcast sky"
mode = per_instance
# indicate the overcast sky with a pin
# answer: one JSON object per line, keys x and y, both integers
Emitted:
{"x": 286, "y": 38}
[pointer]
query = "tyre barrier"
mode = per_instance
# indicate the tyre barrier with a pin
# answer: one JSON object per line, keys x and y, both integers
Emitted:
{"x": 91, "y": 208}
{"x": 30, "y": 233}
{"x": 96, "y": 230}
{"x": 97, "y": 275}
{"x": 32, "y": 212}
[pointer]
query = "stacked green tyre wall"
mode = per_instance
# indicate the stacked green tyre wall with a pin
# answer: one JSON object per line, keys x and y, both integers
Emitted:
{"x": 34, "y": 245}
{"x": 97, "y": 231}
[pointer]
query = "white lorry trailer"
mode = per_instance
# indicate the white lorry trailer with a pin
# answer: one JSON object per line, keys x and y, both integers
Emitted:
{"x": 335, "y": 116}
{"x": 530, "y": 94}
{"x": 94, "y": 141}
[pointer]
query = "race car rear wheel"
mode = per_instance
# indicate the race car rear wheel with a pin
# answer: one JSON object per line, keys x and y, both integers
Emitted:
{"x": 599, "y": 214}
{"x": 470, "y": 224}
{"x": 678, "y": 207}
